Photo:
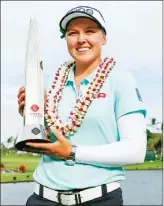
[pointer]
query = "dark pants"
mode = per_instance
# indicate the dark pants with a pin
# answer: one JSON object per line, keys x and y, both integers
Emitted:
{"x": 111, "y": 198}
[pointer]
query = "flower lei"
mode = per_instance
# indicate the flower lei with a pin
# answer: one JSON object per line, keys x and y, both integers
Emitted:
{"x": 77, "y": 115}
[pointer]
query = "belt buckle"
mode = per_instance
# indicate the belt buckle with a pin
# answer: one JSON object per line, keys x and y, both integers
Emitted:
{"x": 67, "y": 200}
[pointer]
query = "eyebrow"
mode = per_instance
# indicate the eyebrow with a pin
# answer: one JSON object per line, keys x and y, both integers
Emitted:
{"x": 90, "y": 27}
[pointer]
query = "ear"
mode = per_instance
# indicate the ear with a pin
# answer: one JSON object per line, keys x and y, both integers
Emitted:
{"x": 104, "y": 40}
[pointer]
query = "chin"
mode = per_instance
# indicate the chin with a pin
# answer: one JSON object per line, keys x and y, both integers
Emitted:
{"x": 84, "y": 59}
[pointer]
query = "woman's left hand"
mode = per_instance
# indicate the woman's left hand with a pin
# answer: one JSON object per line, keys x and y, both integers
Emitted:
{"x": 61, "y": 148}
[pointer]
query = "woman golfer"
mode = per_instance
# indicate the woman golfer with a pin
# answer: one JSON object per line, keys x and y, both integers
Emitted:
{"x": 94, "y": 117}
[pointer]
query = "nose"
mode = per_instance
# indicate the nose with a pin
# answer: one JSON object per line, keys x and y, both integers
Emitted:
{"x": 81, "y": 38}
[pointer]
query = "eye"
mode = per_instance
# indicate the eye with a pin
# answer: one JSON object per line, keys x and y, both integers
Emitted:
{"x": 89, "y": 31}
{"x": 72, "y": 33}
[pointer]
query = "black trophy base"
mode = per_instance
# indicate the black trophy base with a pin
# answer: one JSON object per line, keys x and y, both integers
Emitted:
{"x": 26, "y": 148}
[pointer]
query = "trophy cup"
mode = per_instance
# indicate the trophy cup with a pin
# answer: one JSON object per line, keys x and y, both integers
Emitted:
{"x": 33, "y": 116}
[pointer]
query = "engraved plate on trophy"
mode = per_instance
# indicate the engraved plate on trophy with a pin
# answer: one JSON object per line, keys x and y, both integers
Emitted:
{"x": 33, "y": 119}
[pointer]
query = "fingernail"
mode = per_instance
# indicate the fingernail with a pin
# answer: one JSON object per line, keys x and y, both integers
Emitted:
{"x": 27, "y": 143}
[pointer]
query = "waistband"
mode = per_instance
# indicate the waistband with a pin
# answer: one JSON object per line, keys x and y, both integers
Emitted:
{"x": 74, "y": 197}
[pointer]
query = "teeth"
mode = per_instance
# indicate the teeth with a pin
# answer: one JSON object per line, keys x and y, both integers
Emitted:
{"x": 83, "y": 49}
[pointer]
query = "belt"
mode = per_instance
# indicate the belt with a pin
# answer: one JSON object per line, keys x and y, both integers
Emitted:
{"x": 73, "y": 197}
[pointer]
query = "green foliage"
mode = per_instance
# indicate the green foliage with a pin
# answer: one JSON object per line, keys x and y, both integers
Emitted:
{"x": 31, "y": 162}
{"x": 10, "y": 139}
{"x": 157, "y": 164}
{"x": 13, "y": 161}
{"x": 150, "y": 155}
{"x": 16, "y": 177}
{"x": 149, "y": 134}
{"x": 154, "y": 140}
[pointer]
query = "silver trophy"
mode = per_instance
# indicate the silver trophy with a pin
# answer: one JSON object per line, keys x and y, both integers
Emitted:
{"x": 33, "y": 117}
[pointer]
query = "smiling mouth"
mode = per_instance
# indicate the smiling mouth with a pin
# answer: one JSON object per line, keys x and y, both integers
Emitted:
{"x": 82, "y": 50}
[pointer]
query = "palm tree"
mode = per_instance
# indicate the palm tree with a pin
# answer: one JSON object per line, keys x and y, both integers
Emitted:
{"x": 154, "y": 123}
{"x": 9, "y": 140}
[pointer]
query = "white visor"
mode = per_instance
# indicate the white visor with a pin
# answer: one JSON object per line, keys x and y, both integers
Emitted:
{"x": 83, "y": 11}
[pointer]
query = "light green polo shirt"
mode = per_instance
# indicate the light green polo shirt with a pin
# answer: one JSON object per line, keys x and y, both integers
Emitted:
{"x": 119, "y": 96}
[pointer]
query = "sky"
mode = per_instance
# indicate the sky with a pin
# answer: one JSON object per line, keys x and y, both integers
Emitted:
{"x": 134, "y": 32}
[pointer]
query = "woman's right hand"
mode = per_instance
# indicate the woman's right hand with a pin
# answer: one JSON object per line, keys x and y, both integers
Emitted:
{"x": 21, "y": 100}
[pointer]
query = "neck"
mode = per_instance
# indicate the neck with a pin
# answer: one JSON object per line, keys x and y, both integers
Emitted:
{"x": 84, "y": 69}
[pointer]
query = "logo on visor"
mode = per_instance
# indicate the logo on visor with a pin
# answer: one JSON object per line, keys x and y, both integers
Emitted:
{"x": 83, "y": 9}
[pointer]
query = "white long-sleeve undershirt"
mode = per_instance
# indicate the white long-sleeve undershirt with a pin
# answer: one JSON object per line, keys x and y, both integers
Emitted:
{"x": 131, "y": 148}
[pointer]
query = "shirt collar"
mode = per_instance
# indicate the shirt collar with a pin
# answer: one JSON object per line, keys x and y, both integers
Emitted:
{"x": 70, "y": 78}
